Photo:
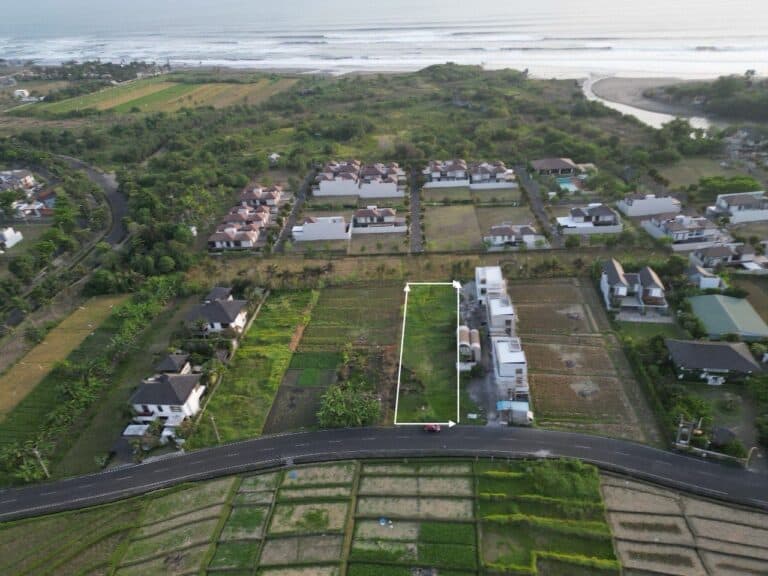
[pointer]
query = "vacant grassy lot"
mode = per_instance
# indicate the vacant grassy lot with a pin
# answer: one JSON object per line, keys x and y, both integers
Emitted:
{"x": 31, "y": 233}
{"x": 690, "y": 170}
{"x": 378, "y": 244}
{"x": 428, "y": 370}
{"x": 342, "y": 316}
{"x": 487, "y": 216}
{"x": 758, "y": 292}
{"x": 501, "y": 196}
{"x": 103, "y": 99}
{"x": 643, "y": 330}
{"x": 22, "y": 378}
{"x": 452, "y": 228}
{"x": 445, "y": 195}
{"x": 244, "y": 396}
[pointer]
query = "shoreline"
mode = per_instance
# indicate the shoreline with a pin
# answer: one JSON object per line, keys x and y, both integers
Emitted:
{"x": 629, "y": 91}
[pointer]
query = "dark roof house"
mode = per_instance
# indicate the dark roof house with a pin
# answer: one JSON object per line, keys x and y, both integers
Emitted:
{"x": 712, "y": 357}
{"x": 172, "y": 363}
{"x": 166, "y": 390}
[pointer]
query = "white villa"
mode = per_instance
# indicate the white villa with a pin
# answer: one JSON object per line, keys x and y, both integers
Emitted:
{"x": 625, "y": 290}
{"x": 375, "y": 220}
{"x": 9, "y": 238}
{"x": 591, "y": 219}
{"x": 234, "y": 237}
{"x": 322, "y": 228}
{"x": 741, "y": 207}
{"x": 489, "y": 281}
{"x": 259, "y": 196}
{"x": 513, "y": 235}
{"x": 170, "y": 398}
{"x": 647, "y": 205}
{"x": 685, "y": 232}
{"x": 351, "y": 178}
{"x": 476, "y": 176}
{"x": 219, "y": 315}
{"x": 510, "y": 367}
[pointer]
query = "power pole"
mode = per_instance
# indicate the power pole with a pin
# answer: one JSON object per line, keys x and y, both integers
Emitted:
{"x": 36, "y": 452}
{"x": 215, "y": 428}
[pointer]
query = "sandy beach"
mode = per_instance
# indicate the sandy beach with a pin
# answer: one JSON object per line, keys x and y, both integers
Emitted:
{"x": 629, "y": 91}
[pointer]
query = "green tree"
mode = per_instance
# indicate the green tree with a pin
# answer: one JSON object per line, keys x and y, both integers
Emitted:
{"x": 348, "y": 404}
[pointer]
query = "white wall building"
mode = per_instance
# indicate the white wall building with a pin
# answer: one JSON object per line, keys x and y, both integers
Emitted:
{"x": 9, "y": 238}
{"x": 647, "y": 205}
{"x": 170, "y": 398}
{"x": 741, "y": 207}
{"x": 592, "y": 219}
{"x": 322, "y": 228}
{"x": 501, "y": 315}
{"x": 510, "y": 366}
{"x": 489, "y": 281}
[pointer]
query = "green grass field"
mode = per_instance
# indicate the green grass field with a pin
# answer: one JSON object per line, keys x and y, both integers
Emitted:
{"x": 452, "y": 228}
{"x": 644, "y": 330}
{"x": 428, "y": 371}
{"x": 446, "y": 195}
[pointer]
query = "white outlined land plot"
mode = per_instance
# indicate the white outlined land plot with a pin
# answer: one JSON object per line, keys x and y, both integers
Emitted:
{"x": 428, "y": 374}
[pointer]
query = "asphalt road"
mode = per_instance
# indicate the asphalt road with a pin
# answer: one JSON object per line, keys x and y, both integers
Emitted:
{"x": 636, "y": 460}
{"x": 537, "y": 205}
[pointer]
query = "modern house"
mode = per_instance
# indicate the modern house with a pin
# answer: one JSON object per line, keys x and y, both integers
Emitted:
{"x": 17, "y": 180}
{"x": 375, "y": 220}
{"x": 235, "y": 237}
{"x": 446, "y": 173}
{"x": 260, "y": 196}
{"x": 512, "y": 235}
{"x": 351, "y": 178}
{"x": 704, "y": 279}
{"x": 219, "y": 315}
{"x": 740, "y": 207}
{"x": 489, "y": 281}
{"x": 9, "y": 238}
{"x": 554, "y": 167}
{"x": 20, "y": 94}
{"x": 490, "y": 175}
{"x": 724, "y": 315}
{"x": 170, "y": 398}
{"x": 501, "y": 315}
{"x": 723, "y": 255}
{"x": 510, "y": 368}
{"x": 591, "y": 219}
{"x": 684, "y": 232}
{"x": 315, "y": 228}
{"x": 715, "y": 362}
{"x": 176, "y": 363}
{"x": 635, "y": 205}
{"x": 624, "y": 290}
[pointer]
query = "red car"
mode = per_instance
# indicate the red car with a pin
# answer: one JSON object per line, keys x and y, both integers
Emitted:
{"x": 432, "y": 428}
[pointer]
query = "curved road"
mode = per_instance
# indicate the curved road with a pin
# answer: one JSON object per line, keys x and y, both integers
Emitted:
{"x": 636, "y": 460}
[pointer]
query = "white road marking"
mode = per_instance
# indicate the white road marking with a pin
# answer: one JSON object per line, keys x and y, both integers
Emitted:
{"x": 582, "y": 446}
{"x": 124, "y": 478}
{"x": 158, "y": 470}
{"x": 231, "y": 454}
{"x": 86, "y": 485}
{"x": 302, "y": 444}
{"x": 334, "y": 441}
{"x": 623, "y": 453}
{"x": 368, "y": 439}
{"x": 48, "y": 493}
{"x": 197, "y": 461}
{"x": 661, "y": 463}
{"x": 7, "y": 501}
{"x": 266, "y": 450}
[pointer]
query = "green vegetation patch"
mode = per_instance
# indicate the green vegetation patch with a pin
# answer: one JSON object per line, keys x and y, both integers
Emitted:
{"x": 452, "y": 228}
{"x": 165, "y": 542}
{"x": 245, "y": 522}
{"x": 234, "y": 555}
{"x": 447, "y": 533}
{"x": 428, "y": 372}
{"x": 244, "y": 396}
{"x": 182, "y": 501}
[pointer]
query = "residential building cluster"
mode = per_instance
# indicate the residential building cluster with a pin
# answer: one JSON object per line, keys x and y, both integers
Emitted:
{"x": 37, "y": 202}
{"x": 507, "y": 235}
{"x": 476, "y": 175}
{"x": 595, "y": 218}
{"x": 368, "y": 220}
{"x": 640, "y": 291}
{"x": 246, "y": 226}
{"x": 173, "y": 393}
{"x": 352, "y": 178}
{"x": 740, "y": 208}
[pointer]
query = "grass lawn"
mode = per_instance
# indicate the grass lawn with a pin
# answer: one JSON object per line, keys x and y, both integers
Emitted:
{"x": 446, "y": 195}
{"x": 644, "y": 330}
{"x": 689, "y": 170}
{"x": 428, "y": 371}
{"x": 758, "y": 292}
{"x": 452, "y": 228}
{"x": 106, "y": 420}
{"x": 378, "y": 244}
{"x": 31, "y": 233}
{"x": 21, "y": 379}
{"x": 104, "y": 99}
{"x": 502, "y": 195}
{"x": 244, "y": 396}
{"x": 323, "y": 203}
{"x": 487, "y": 217}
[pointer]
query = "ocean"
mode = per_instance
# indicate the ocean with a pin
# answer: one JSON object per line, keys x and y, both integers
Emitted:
{"x": 550, "y": 38}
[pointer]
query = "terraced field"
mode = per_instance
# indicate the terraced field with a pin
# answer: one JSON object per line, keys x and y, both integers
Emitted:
{"x": 164, "y": 95}
{"x": 459, "y": 517}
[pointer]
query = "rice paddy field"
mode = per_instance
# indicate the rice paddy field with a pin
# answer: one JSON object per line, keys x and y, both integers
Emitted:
{"x": 163, "y": 95}
{"x": 366, "y": 317}
{"x": 399, "y": 517}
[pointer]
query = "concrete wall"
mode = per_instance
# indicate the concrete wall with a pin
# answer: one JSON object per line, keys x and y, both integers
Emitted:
{"x": 447, "y": 184}
{"x": 587, "y": 230}
{"x": 336, "y": 188}
{"x": 379, "y": 230}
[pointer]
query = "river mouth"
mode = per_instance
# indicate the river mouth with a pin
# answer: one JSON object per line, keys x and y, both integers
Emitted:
{"x": 625, "y": 99}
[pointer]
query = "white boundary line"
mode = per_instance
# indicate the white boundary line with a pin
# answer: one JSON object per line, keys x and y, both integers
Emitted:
{"x": 450, "y": 423}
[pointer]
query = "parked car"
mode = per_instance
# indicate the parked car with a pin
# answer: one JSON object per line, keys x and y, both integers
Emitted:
{"x": 432, "y": 428}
